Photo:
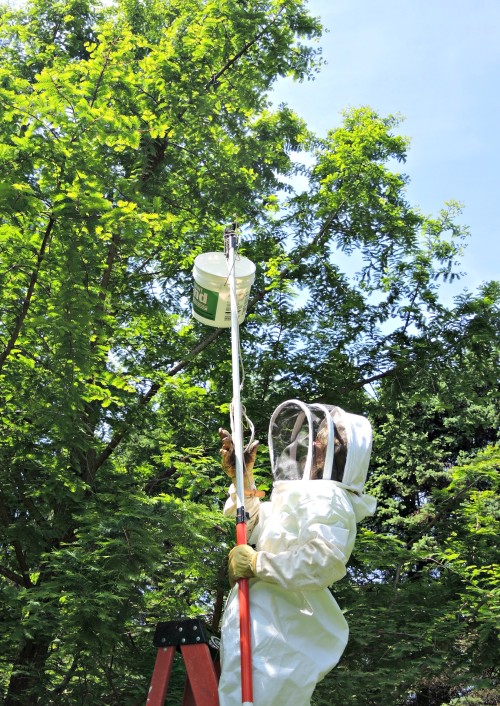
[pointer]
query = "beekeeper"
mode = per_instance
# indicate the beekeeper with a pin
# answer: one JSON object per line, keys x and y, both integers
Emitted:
{"x": 303, "y": 537}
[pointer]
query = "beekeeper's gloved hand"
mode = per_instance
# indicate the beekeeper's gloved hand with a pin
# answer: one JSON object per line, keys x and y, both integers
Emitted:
{"x": 242, "y": 561}
{"x": 229, "y": 462}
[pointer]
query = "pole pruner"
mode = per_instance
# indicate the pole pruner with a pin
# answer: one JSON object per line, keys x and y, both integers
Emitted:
{"x": 230, "y": 246}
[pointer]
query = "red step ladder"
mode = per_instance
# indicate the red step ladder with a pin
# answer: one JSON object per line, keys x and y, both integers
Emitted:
{"x": 194, "y": 641}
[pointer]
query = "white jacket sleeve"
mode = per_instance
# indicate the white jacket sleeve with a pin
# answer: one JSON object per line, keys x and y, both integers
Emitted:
{"x": 252, "y": 506}
{"x": 317, "y": 558}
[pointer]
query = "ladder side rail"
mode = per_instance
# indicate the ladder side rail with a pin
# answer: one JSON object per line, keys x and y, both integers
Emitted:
{"x": 201, "y": 687}
{"x": 161, "y": 676}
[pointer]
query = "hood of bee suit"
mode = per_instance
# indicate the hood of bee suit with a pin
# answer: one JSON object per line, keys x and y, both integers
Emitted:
{"x": 359, "y": 446}
{"x": 294, "y": 427}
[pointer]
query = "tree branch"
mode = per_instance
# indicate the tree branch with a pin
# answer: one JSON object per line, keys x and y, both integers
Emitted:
{"x": 215, "y": 77}
{"x": 21, "y": 559}
{"x": 412, "y": 302}
{"x": 110, "y": 260}
{"x": 432, "y": 520}
{"x": 367, "y": 381}
{"x": 29, "y": 294}
{"x": 68, "y": 677}
{"x": 153, "y": 390}
{"x": 161, "y": 144}
{"x": 100, "y": 77}
{"x": 12, "y": 576}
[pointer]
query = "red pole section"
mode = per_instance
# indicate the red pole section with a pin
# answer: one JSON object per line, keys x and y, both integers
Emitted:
{"x": 245, "y": 631}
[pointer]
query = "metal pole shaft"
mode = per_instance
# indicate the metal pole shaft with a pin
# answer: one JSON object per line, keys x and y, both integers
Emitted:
{"x": 241, "y": 534}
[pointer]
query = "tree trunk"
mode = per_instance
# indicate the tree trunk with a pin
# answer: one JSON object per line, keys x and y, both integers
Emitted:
{"x": 28, "y": 673}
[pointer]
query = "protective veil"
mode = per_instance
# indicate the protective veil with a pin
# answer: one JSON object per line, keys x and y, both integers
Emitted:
{"x": 304, "y": 536}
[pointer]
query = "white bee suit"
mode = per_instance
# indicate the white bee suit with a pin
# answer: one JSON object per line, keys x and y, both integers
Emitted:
{"x": 304, "y": 536}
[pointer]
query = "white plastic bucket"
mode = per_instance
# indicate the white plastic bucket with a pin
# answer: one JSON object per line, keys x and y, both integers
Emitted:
{"x": 211, "y": 298}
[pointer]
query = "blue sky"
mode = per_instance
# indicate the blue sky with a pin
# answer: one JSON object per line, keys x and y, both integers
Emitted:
{"x": 436, "y": 62}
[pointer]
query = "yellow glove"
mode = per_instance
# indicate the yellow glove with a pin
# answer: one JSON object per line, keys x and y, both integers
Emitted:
{"x": 229, "y": 462}
{"x": 242, "y": 560}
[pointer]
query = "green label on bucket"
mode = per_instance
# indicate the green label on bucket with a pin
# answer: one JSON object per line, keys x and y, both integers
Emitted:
{"x": 205, "y": 302}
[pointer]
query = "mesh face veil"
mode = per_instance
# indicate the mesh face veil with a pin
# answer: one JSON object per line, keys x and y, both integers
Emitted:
{"x": 302, "y": 442}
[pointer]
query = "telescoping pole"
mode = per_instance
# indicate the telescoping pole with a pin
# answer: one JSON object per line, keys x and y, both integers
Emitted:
{"x": 237, "y": 433}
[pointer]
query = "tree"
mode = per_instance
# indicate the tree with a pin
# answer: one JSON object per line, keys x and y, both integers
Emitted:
{"x": 130, "y": 135}
{"x": 423, "y": 590}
